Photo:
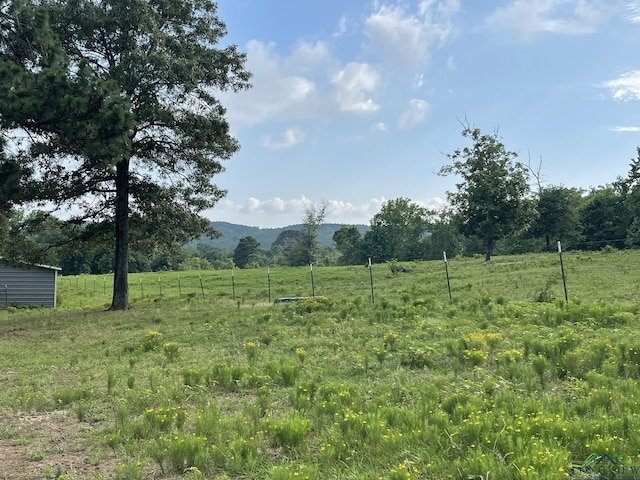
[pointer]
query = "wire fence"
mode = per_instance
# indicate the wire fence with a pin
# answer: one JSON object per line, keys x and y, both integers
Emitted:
{"x": 587, "y": 276}
{"x": 240, "y": 286}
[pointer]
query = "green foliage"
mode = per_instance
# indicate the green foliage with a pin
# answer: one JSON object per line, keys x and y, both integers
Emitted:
{"x": 171, "y": 350}
{"x": 289, "y": 432}
{"x": 232, "y": 233}
{"x": 632, "y": 200}
{"x": 245, "y": 252}
{"x": 540, "y": 366}
{"x": 65, "y": 397}
{"x": 314, "y": 304}
{"x": 179, "y": 452}
{"x": 131, "y": 470}
{"x": 111, "y": 116}
{"x": 605, "y": 219}
{"x": 397, "y": 231}
{"x": 349, "y": 243}
{"x": 293, "y": 472}
{"x": 558, "y": 215}
{"x": 306, "y": 249}
{"x": 151, "y": 341}
{"x": 417, "y": 357}
{"x": 492, "y": 199}
{"x": 163, "y": 419}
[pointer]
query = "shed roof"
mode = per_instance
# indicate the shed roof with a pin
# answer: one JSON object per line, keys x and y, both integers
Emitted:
{"x": 38, "y": 265}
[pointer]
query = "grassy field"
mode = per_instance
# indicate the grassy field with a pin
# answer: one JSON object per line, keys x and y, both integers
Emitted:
{"x": 205, "y": 378}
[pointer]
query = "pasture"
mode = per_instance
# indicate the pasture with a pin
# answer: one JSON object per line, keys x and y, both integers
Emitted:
{"x": 205, "y": 378}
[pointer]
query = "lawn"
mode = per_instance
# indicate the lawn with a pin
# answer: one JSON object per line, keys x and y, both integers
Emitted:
{"x": 206, "y": 378}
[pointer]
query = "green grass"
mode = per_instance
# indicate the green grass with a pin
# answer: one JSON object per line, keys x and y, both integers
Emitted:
{"x": 493, "y": 384}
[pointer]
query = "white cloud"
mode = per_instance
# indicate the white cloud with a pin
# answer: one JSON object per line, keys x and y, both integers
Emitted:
{"x": 271, "y": 213}
{"x": 451, "y": 63}
{"x": 415, "y": 113}
{"x": 634, "y": 11}
{"x": 342, "y": 27}
{"x": 528, "y": 17}
{"x": 308, "y": 57}
{"x": 625, "y": 129}
{"x": 625, "y": 87}
{"x": 380, "y": 127}
{"x": 277, "y": 212}
{"x": 309, "y": 81}
{"x": 290, "y": 87}
{"x": 277, "y": 92}
{"x": 405, "y": 37}
{"x": 353, "y": 84}
{"x": 288, "y": 138}
{"x": 339, "y": 211}
{"x": 274, "y": 206}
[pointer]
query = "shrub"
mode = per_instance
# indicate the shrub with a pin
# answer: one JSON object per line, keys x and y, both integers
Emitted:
{"x": 417, "y": 357}
{"x": 151, "y": 341}
{"x": 315, "y": 304}
{"x": 288, "y": 432}
{"x": 171, "y": 350}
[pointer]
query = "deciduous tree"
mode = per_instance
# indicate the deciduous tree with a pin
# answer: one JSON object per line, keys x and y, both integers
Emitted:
{"x": 349, "y": 243}
{"x": 558, "y": 214}
{"x": 285, "y": 242}
{"x": 307, "y": 249}
{"x": 492, "y": 199}
{"x": 444, "y": 236}
{"x": 605, "y": 218}
{"x": 397, "y": 231}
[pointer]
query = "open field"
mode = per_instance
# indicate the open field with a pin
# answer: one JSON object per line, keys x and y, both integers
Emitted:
{"x": 205, "y": 378}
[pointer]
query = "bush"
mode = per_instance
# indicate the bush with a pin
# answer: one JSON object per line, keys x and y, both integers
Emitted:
{"x": 315, "y": 304}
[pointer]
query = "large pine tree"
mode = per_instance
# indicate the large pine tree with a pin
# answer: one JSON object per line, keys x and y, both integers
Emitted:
{"x": 113, "y": 103}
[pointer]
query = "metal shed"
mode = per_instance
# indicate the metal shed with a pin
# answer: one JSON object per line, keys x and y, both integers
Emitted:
{"x": 29, "y": 285}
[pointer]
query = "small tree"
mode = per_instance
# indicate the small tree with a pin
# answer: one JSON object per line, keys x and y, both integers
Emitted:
{"x": 605, "y": 218}
{"x": 444, "y": 236}
{"x": 632, "y": 200}
{"x": 492, "y": 200}
{"x": 282, "y": 249}
{"x": 245, "y": 252}
{"x": 307, "y": 248}
{"x": 397, "y": 231}
{"x": 350, "y": 244}
{"x": 558, "y": 214}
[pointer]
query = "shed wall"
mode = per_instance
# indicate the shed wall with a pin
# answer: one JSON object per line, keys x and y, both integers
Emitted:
{"x": 33, "y": 285}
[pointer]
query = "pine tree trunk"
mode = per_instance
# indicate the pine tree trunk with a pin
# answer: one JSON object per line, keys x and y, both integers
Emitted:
{"x": 121, "y": 264}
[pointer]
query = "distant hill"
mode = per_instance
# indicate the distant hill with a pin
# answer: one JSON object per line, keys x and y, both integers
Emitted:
{"x": 232, "y": 233}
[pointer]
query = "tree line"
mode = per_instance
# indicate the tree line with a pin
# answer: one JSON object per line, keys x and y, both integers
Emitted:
{"x": 493, "y": 210}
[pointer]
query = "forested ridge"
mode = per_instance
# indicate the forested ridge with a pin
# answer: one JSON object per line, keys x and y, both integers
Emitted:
{"x": 231, "y": 233}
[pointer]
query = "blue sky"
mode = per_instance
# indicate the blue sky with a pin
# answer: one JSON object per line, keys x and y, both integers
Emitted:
{"x": 357, "y": 102}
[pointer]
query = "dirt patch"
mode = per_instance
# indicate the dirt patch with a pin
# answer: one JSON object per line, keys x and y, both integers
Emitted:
{"x": 15, "y": 333}
{"x": 49, "y": 444}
